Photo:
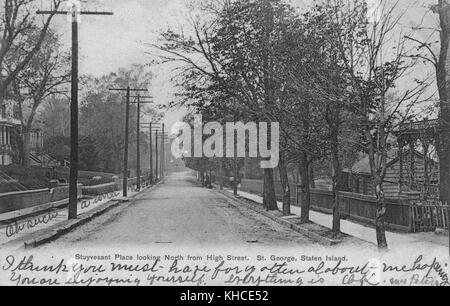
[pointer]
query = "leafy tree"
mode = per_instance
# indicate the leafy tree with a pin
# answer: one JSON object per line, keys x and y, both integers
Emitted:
{"x": 58, "y": 147}
{"x": 55, "y": 114}
{"x": 102, "y": 117}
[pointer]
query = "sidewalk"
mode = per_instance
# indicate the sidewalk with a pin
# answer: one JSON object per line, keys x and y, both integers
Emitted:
{"x": 52, "y": 217}
{"x": 422, "y": 241}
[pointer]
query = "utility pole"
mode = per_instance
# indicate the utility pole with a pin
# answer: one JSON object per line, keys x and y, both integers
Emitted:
{"x": 151, "y": 155}
{"x": 164, "y": 137}
{"x": 150, "y": 124}
{"x": 156, "y": 155}
{"x": 221, "y": 173}
{"x": 138, "y": 138}
{"x": 163, "y": 143}
{"x": 138, "y": 144}
{"x": 160, "y": 136}
{"x": 154, "y": 129}
{"x": 127, "y": 132}
{"x": 73, "y": 181}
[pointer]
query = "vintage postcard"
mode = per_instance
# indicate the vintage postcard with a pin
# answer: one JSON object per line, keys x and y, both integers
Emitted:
{"x": 205, "y": 145}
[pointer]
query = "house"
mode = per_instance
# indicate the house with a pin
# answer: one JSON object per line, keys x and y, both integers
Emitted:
{"x": 408, "y": 171}
{"x": 37, "y": 155}
{"x": 8, "y": 124}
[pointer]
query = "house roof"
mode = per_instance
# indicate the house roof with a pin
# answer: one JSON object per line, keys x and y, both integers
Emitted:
{"x": 363, "y": 165}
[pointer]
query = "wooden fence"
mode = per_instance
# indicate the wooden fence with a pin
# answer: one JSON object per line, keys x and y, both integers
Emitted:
{"x": 363, "y": 208}
{"x": 428, "y": 218}
{"x": 257, "y": 186}
{"x": 401, "y": 214}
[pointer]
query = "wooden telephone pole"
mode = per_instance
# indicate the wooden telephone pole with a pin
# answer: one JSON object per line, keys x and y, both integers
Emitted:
{"x": 128, "y": 90}
{"x": 150, "y": 125}
{"x": 164, "y": 137}
{"x": 163, "y": 144}
{"x": 73, "y": 181}
{"x": 156, "y": 155}
{"x": 153, "y": 129}
{"x": 161, "y": 135}
{"x": 221, "y": 173}
{"x": 138, "y": 137}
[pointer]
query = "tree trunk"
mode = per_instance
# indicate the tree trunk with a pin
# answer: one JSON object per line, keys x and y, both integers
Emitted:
{"x": 269, "y": 191}
{"x": 305, "y": 187}
{"x": 26, "y": 161}
{"x": 337, "y": 177}
{"x": 2, "y": 98}
{"x": 312, "y": 177}
{"x": 380, "y": 215}
{"x": 284, "y": 178}
{"x": 264, "y": 190}
{"x": 221, "y": 173}
{"x": 236, "y": 176}
{"x": 202, "y": 178}
{"x": 426, "y": 172}
{"x": 444, "y": 95}
{"x": 443, "y": 150}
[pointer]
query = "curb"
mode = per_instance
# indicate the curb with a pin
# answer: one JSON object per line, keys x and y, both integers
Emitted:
{"x": 68, "y": 226}
{"x": 45, "y": 236}
{"x": 296, "y": 228}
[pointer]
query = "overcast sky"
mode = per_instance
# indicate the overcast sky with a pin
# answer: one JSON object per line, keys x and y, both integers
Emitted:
{"x": 110, "y": 42}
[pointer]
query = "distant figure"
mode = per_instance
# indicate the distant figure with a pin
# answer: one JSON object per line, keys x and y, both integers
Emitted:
{"x": 208, "y": 181}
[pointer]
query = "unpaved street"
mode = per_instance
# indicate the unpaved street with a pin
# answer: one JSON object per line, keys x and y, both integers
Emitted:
{"x": 181, "y": 213}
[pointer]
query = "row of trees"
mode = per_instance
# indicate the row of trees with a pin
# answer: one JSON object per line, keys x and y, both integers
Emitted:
{"x": 330, "y": 76}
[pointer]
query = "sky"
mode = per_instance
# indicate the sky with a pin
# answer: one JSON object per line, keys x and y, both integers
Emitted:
{"x": 108, "y": 43}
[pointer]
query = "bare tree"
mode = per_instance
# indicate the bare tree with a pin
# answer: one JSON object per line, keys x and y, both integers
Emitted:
{"x": 426, "y": 52}
{"x": 216, "y": 58}
{"x": 45, "y": 75}
{"x": 375, "y": 66}
{"x": 17, "y": 24}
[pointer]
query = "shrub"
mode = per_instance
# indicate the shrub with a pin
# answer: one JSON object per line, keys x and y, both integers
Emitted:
{"x": 29, "y": 178}
{"x": 100, "y": 189}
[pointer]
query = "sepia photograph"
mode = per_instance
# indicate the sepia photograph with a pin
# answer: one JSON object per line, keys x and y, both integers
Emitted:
{"x": 224, "y": 151}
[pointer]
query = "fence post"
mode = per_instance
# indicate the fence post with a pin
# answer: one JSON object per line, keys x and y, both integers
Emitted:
{"x": 410, "y": 223}
{"x": 296, "y": 195}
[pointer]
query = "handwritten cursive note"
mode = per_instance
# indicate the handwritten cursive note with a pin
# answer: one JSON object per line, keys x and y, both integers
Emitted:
{"x": 27, "y": 270}
{"x": 18, "y": 227}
